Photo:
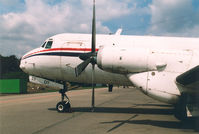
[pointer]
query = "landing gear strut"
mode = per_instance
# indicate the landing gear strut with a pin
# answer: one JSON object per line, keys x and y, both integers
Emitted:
{"x": 63, "y": 105}
{"x": 110, "y": 88}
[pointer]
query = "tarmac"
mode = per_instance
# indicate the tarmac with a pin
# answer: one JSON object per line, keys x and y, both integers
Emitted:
{"x": 123, "y": 111}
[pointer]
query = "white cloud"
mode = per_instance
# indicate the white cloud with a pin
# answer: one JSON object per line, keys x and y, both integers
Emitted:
{"x": 30, "y": 23}
{"x": 109, "y": 9}
{"x": 174, "y": 18}
{"x": 40, "y": 20}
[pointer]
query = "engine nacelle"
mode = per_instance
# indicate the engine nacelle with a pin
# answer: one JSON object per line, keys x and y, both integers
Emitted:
{"x": 123, "y": 60}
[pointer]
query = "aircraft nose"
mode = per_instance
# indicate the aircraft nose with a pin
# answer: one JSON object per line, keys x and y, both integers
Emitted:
{"x": 22, "y": 64}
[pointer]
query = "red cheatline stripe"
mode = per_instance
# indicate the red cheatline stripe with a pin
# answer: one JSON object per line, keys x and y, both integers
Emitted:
{"x": 61, "y": 49}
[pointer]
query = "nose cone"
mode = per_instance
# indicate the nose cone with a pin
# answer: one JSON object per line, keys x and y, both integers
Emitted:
{"x": 22, "y": 64}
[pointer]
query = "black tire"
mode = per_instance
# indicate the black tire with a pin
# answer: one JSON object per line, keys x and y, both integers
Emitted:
{"x": 61, "y": 107}
{"x": 180, "y": 109}
{"x": 180, "y": 113}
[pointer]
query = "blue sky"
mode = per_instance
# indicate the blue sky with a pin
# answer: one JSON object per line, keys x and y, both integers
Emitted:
{"x": 25, "y": 24}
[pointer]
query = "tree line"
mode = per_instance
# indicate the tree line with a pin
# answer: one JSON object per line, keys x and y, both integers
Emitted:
{"x": 9, "y": 68}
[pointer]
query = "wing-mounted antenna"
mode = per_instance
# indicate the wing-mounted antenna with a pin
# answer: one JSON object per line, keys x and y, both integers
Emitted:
{"x": 118, "y": 32}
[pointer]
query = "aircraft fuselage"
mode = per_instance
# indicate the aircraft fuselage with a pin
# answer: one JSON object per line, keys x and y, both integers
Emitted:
{"x": 150, "y": 63}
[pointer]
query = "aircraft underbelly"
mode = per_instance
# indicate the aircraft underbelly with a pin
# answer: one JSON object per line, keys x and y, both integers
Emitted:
{"x": 157, "y": 85}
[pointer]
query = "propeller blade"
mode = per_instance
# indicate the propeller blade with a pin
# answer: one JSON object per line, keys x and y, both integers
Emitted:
{"x": 80, "y": 68}
{"x": 89, "y": 58}
{"x": 93, "y": 48}
{"x": 93, "y": 43}
{"x": 93, "y": 88}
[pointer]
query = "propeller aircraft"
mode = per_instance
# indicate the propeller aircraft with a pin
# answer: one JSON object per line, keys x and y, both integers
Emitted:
{"x": 164, "y": 68}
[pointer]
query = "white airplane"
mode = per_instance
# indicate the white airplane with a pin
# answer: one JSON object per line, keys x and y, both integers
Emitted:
{"x": 164, "y": 68}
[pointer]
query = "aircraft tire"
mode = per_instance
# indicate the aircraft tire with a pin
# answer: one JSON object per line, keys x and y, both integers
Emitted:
{"x": 180, "y": 109}
{"x": 61, "y": 107}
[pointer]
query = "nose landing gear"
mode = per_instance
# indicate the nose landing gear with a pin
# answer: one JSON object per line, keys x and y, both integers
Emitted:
{"x": 63, "y": 105}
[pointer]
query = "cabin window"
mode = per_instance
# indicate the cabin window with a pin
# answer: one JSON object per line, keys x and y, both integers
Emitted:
{"x": 49, "y": 44}
{"x": 43, "y": 44}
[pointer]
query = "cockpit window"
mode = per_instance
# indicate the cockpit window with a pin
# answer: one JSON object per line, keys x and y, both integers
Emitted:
{"x": 49, "y": 44}
{"x": 43, "y": 44}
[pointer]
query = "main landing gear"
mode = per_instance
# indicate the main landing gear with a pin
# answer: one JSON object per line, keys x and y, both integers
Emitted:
{"x": 180, "y": 111}
{"x": 63, "y": 105}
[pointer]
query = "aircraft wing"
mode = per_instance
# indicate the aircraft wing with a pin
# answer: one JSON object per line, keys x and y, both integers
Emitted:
{"x": 189, "y": 81}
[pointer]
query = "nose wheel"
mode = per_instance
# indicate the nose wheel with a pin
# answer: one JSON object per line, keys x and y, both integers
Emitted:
{"x": 64, "y": 104}
{"x": 63, "y": 107}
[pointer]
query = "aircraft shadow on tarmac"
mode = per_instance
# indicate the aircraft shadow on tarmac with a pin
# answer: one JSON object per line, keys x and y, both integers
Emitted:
{"x": 124, "y": 110}
{"x": 167, "y": 110}
{"x": 165, "y": 124}
{"x": 131, "y": 110}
